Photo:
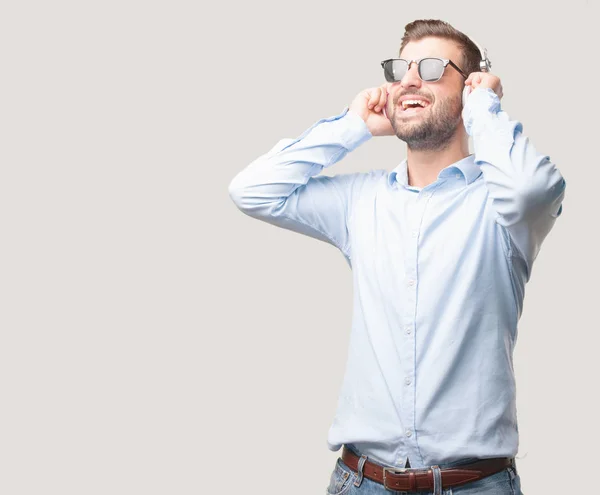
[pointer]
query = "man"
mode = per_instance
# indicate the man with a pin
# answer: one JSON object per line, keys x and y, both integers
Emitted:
{"x": 441, "y": 248}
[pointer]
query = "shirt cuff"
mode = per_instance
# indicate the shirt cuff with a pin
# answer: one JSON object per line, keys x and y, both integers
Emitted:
{"x": 489, "y": 125}
{"x": 346, "y": 129}
{"x": 354, "y": 130}
{"x": 481, "y": 105}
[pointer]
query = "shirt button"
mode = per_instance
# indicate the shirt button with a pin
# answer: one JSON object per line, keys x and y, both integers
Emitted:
{"x": 407, "y": 381}
{"x": 411, "y": 282}
{"x": 408, "y": 433}
{"x": 407, "y": 329}
{"x": 415, "y": 233}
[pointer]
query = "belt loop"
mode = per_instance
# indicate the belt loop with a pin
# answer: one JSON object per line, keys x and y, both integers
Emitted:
{"x": 437, "y": 480}
{"x": 361, "y": 463}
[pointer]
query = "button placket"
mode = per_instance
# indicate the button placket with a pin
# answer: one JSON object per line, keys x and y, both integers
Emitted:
{"x": 415, "y": 217}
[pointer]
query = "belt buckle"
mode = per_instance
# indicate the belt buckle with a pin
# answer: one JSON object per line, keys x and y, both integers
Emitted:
{"x": 395, "y": 471}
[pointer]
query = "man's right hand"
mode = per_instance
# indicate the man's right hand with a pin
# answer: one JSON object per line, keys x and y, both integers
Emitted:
{"x": 368, "y": 104}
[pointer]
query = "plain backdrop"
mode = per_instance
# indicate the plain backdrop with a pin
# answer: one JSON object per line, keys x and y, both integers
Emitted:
{"x": 154, "y": 339}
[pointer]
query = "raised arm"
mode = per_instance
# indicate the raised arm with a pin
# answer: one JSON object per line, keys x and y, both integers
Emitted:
{"x": 283, "y": 186}
{"x": 526, "y": 188}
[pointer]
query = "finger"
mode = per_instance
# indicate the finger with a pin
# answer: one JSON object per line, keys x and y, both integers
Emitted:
{"x": 376, "y": 99}
{"x": 373, "y": 98}
{"x": 369, "y": 98}
{"x": 382, "y": 98}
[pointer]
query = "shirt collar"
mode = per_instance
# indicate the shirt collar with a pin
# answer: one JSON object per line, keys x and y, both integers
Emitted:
{"x": 470, "y": 171}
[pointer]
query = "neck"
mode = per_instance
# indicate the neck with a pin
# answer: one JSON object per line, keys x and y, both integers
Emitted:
{"x": 423, "y": 166}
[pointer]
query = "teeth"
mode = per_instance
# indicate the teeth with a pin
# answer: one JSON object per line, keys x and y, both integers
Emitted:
{"x": 405, "y": 103}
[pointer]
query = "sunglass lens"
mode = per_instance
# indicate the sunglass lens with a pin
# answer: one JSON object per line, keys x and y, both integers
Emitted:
{"x": 431, "y": 69}
{"x": 394, "y": 70}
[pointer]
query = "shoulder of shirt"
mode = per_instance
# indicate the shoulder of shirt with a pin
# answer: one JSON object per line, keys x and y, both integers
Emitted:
{"x": 374, "y": 177}
{"x": 360, "y": 180}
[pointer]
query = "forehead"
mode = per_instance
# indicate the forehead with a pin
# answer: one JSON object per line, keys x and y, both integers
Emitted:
{"x": 432, "y": 47}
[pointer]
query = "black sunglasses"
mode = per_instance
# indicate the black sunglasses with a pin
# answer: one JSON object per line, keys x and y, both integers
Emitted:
{"x": 431, "y": 69}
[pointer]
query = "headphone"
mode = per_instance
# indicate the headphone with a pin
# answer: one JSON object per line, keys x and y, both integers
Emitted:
{"x": 484, "y": 66}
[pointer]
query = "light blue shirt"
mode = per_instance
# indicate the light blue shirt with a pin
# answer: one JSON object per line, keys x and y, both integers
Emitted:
{"x": 439, "y": 278}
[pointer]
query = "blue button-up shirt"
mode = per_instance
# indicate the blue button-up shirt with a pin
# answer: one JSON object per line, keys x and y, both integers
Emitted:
{"x": 439, "y": 274}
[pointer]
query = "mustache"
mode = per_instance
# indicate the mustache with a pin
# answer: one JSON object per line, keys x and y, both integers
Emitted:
{"x": 412, "y": 93}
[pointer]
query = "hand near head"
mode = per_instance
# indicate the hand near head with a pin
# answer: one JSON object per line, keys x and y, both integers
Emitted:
{"x": 368, "y": 104}
{"x": 485, "y": 80}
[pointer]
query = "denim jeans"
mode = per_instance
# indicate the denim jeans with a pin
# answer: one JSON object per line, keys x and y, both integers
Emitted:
{"x": 344, "y": 481}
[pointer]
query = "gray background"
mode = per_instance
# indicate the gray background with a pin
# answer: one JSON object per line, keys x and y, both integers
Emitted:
{"x": 156, "y": 340}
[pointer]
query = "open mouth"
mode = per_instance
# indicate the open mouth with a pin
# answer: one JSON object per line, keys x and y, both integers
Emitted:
{"x": 410, "y": 107}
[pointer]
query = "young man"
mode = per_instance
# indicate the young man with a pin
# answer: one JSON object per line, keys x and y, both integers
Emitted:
{"x": 441, "y": 248}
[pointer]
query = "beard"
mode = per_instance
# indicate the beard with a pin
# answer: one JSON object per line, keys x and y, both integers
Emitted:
{"x": 434, "y": 129}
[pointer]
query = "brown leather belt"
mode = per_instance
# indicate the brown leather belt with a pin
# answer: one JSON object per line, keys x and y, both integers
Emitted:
{"x": 421, "y": 479}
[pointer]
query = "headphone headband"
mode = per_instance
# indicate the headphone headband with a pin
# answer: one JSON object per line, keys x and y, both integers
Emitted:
{"x": 484, "y": 64}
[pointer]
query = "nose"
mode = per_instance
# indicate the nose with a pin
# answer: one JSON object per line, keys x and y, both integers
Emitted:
{"x": 411, "y": 78}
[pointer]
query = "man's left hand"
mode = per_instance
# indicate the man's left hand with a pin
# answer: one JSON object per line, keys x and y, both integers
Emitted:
{"x": 485, "y": 80}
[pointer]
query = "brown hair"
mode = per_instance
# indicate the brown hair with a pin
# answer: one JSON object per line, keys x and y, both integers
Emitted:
{"x": 423, "y": 28}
